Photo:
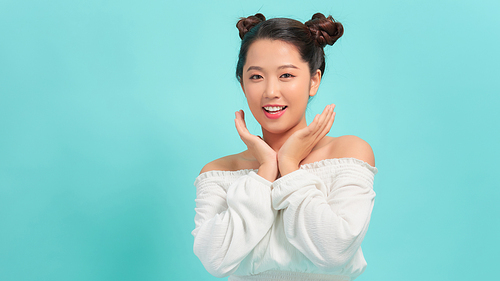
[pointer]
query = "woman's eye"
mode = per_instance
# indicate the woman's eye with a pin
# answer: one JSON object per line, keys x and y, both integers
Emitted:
{"x": 256, "y": 76}
{"x": 286, "y": 75}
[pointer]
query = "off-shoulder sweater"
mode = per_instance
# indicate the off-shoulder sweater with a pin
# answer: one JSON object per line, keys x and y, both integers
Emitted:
{"x": 308, "y": 224}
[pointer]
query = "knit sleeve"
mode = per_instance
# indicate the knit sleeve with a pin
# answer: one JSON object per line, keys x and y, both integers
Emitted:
{"x": 327, "y": 223}
{"x": 230, "y": 222}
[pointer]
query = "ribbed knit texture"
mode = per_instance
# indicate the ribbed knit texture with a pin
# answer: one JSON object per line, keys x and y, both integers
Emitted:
{"x": 312, "y": 220}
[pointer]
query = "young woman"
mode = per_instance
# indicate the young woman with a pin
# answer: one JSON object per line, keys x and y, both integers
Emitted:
{"x": 296, "y": 204}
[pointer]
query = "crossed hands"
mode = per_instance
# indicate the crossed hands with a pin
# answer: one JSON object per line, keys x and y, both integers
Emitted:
{"x": 294, "y": 150}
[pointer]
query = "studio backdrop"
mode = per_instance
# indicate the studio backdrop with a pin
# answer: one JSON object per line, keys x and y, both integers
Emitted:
{"x": 110, "y": 109}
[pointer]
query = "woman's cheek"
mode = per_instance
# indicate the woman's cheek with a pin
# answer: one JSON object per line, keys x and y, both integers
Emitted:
{"x": 294, "y": 84}
{"x": 253, "y": 99}
{"x": 290, "y": 90}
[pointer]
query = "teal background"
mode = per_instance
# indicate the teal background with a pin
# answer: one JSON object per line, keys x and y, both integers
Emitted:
{"x": 109, "y": 110}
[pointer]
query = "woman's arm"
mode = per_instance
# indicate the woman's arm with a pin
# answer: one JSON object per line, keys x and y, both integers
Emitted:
{"x": 263, "y": 153}
{"x": 300, "y": 144}
{"x": 229, "y": 224}
{"x": 327, "y": 223}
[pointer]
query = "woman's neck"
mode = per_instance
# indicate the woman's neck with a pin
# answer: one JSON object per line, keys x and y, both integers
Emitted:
{"x": 276, "y": 140}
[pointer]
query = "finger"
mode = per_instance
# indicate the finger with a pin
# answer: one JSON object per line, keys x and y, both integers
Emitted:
{"x": 312, "y": 127}
{"x": 323, "y": 120}
{"x": 328, "y": 126}
{"x": 242, "y": 114}
{"x": 237, "y": 124}
{"x": 324, "y": 128}
{"x": 329, "y": 122}
{"x": 244, "y": 122}
{"x": 240, "y": 124}
{"x": 325, "y": 112}
{"x": 245, "y": 135}
{"x": 332, "y": 118}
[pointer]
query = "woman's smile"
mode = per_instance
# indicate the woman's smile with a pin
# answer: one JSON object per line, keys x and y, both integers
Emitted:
{"x": 274, "y": 111}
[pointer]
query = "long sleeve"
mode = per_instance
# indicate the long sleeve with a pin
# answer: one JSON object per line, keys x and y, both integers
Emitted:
{"x": 327, "y": 223}
{"x": 230, "y": 221}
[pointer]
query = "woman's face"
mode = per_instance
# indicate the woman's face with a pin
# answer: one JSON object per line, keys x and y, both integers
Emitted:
{"x": 277, "y": 84}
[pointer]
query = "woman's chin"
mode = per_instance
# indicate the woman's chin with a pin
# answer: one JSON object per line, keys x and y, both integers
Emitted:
{"x": 274, "y": 129}
{"x": 282, "y": 126}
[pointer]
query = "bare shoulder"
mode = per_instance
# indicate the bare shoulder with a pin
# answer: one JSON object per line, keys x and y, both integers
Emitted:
{"x": 351, "y": 147}
{"x": 221, "y": 164}
{"x": 233, "y": 162}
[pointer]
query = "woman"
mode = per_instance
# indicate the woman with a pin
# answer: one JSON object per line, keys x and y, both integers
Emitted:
{"x": 296, "y": 204}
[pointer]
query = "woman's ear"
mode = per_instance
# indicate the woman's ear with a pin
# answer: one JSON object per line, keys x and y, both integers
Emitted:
{"x": 315, "y": 81}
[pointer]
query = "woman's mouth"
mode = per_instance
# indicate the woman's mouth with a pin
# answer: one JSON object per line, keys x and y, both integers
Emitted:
{"x": 274, "y": 112}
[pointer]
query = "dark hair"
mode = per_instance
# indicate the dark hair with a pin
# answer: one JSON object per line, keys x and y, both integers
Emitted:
{"x": 309, "y": 37}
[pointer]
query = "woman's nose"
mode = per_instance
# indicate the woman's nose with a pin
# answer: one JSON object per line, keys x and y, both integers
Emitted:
{"x": 272, "y": 89}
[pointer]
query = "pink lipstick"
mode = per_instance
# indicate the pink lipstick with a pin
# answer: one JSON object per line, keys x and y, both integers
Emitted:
{"x": 274, "y": 111}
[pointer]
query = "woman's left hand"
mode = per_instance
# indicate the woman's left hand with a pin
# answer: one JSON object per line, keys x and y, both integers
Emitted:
{"x": 301, "y": 143}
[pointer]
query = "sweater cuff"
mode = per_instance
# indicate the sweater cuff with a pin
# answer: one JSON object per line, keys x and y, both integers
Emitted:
{"x": 260, "y": 179}
{"x": 290, "y": 178}
{"x": 290, "y": 188}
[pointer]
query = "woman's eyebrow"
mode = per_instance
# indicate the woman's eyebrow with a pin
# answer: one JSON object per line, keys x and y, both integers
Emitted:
{"x": 280, "y": 67}
{"x": 254, "y": 67}
{"x": 288, "y": 66}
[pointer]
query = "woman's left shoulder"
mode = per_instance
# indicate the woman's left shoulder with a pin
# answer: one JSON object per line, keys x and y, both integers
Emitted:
{"x": 349, "y": 146}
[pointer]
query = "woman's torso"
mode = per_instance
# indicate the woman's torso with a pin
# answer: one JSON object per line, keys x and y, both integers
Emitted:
{"x": 274, "y": 252}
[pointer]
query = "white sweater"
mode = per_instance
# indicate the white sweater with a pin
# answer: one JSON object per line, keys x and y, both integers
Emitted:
{"x": 307, "y": 224}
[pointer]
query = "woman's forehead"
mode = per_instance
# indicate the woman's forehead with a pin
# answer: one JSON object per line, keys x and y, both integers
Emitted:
{"x": 272, "y": 52}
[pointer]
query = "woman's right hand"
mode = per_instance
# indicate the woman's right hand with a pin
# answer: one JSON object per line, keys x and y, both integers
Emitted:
{"x": 262, "y": 152}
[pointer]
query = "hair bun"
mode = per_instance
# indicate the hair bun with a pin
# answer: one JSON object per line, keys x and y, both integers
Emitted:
{"x": 324, "y": 30}
{"x": 245, "y": 24}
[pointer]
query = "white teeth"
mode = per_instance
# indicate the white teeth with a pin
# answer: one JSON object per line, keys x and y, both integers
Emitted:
{"x": 274, "y": 108}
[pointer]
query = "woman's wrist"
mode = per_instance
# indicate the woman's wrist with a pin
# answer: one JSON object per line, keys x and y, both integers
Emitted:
{"x": 269, "y": 171}
{"x": 286, "y": 167}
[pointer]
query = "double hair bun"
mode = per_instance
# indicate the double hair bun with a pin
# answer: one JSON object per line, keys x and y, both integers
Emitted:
{"x": 245, "y": 24}
{"x": 323, "y": 30}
